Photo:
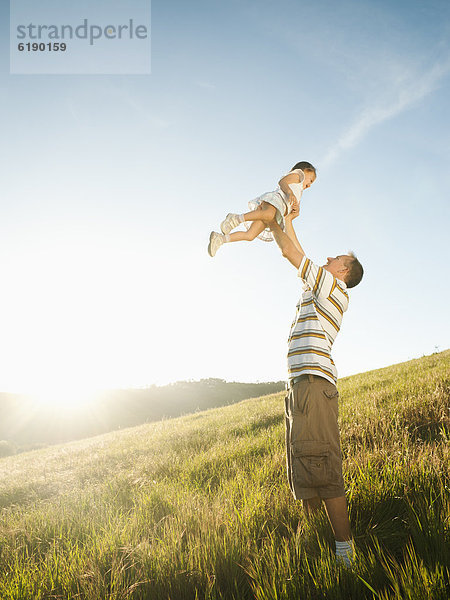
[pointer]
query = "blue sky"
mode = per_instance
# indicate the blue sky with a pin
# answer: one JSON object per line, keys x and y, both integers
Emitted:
{"x": 111, "y": 184}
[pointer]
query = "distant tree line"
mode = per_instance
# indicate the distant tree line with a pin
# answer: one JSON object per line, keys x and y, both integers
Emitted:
{"x": 24, "y": 425}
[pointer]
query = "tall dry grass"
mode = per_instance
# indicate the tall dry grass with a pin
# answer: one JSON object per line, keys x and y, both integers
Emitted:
{"x": 199, "y": 507}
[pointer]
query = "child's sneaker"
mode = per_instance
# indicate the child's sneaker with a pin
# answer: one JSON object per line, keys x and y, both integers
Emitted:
{"x": 215, "y": 241}
{"x": 230, "y": 223}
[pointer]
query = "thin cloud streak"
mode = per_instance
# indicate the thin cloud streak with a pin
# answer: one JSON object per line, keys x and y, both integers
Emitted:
{"x": 151, "y": 120}
{"x": 408, "y": 92}
{"x": 83, "y": 112}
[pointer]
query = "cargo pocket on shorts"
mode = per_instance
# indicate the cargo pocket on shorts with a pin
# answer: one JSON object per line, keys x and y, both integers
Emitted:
{"x": 330, "y": 394}
{"x": 311, "y": 463}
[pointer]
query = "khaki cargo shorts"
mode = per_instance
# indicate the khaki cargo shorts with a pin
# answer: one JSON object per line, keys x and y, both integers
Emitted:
{"x": 313, "y": 449}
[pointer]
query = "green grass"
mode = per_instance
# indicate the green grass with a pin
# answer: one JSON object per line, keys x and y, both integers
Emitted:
{"x": 199, "y": 507}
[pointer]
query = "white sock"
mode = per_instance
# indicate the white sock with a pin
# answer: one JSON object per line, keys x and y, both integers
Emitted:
{"x": 345, "y": 552}
{"x": 226, "y": 237}
{"x": 241, "y": 218}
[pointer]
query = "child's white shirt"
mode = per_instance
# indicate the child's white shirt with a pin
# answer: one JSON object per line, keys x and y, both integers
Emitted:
{"x": 297, "y": 188}
{"x": 280, "y": 201}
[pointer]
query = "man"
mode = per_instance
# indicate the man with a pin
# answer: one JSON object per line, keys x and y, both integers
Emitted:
{"x": 314, "y": 460}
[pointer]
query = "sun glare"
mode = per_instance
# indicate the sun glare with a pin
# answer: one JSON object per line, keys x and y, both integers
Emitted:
{"x": 64, "y": 398}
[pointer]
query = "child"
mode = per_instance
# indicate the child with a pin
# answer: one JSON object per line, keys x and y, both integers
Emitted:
{"x": 265, "y": 208}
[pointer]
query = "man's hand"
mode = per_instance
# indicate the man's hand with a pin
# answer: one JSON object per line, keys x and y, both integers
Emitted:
{"x": 295, "y": 209}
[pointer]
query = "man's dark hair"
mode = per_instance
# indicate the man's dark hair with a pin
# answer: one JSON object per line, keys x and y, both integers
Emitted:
{"x": 305, "y": 166}
{"x": 355, "y": 271}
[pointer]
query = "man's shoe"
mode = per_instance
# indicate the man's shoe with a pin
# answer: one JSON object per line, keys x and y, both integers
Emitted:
{"x": 215, "y": 241}
{"x": 230, "y": 223}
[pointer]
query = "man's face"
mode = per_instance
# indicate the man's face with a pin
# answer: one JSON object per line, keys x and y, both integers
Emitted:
{"x": 337, "y": 266}
{"x": 309, "y": 179}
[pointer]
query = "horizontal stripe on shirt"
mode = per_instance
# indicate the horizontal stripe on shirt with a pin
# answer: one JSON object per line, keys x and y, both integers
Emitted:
{"x": 309, "y": 369}
{"x": 308, "y": 333}
{"x": 317, "y": 322}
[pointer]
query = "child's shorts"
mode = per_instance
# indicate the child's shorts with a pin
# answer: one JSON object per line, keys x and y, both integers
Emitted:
{"x": 313, "y": 450}
{"x": 276, "y": 200}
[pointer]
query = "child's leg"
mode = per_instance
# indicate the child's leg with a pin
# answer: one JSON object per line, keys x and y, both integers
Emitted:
{"x": 265, "y": 212}
{"x": 255, "y": 229}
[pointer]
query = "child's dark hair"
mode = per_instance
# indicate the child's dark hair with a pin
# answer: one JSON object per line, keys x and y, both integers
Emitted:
{"x": 305, "y": 166}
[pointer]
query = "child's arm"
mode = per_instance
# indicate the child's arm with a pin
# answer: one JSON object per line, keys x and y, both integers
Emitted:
{"x": 290, "y": 178}
{"x": 289, "y": 228}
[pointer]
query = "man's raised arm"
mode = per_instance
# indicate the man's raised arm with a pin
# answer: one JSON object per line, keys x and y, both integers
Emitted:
{"x": 289, "y": 228}
{"x": 293, "y": 252}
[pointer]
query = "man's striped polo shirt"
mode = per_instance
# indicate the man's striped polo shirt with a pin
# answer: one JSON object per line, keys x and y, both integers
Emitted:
{"x": 317, "y": 322}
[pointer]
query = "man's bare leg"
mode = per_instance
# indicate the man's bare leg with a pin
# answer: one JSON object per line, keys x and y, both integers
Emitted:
{"x": 338, "y": 516}
{"x": 311, "y": 506}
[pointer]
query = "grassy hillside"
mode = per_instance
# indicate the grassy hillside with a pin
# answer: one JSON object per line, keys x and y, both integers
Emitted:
{"x": 27, "y": 425}
{"x": 198, "y": 507}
